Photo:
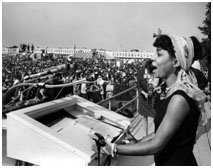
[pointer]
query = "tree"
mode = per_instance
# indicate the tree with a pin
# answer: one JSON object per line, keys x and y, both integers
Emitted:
{"x": 28, "y": 48}
{"x": 206, "y": 42}
{"x": 206, "y": 30}
{"x": 24, "y": 47}
{"x": 32, "y": 48}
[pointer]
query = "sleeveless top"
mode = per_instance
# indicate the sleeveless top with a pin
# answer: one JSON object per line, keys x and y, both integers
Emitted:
{"x": 179, "y": 149}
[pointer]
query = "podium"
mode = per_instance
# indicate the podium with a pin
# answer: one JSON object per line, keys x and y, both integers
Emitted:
{"x": 58, "y": 132}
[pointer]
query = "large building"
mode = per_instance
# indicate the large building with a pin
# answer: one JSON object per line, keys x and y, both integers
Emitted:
{"x": 112, "y": 54}
{"x": 81, "y": 52}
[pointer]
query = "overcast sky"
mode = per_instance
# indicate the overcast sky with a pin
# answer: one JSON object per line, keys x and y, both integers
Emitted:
{"x": 113, "y": 26}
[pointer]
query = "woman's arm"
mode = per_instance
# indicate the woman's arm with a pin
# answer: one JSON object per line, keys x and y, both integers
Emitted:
{"x": 147, "y": 138}
{"x": 176, "y": 112}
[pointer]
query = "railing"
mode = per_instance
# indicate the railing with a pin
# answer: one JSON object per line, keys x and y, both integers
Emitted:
{"x": 114, "y": 96}
{"x": 75, "y": 83}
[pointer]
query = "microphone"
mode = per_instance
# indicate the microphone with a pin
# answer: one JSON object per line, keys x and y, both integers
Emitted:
{"x": 55, "y": 69}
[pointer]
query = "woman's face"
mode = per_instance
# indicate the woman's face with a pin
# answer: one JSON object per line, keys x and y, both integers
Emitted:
{"x": 164, "y": 64}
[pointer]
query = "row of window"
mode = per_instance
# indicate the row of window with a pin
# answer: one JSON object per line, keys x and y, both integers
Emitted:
{"x": 147, "y": 55}
{"x": 10, "y": 51}
{"x": 60, "y": 51}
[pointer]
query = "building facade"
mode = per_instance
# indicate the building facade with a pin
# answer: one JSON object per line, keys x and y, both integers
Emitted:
{"x": 114, "y": 54}
{"x": 65, "y": 51}
{"x": 121, "y": 55}
{"x": 10, "y": 50}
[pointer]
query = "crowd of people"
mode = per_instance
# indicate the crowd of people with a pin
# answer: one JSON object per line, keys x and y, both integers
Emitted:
{"x": 104, "y": 78}
{"x": 17, "y": 67}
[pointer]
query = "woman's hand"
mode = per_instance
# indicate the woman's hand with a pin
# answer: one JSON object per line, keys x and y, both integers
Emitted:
{"x": 129, "y": 138}
{"x": 109, "y": 148}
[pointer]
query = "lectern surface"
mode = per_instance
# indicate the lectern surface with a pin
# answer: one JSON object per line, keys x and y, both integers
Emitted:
{"x": 59, "y": 131}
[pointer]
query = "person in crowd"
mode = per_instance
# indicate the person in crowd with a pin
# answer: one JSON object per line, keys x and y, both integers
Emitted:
{"x": 75, "y": 86}
{"x": 177, "y": 116}
{"x": 109, "y": 89}
{"x": 95, "y": 91}
{"x": 132, "y": 93}
{"x": 201, "y": 79}
{"x": 41, "y": 94}
{"x": 142, "y": 83}
{"x": 100, "y": 83}
{"x": 84, "y": 90}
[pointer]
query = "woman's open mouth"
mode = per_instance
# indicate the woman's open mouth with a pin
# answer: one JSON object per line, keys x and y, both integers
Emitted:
{"x": 152, "y": 68}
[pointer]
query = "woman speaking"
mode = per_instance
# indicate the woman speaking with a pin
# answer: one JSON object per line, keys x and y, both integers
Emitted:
{"x": 177, "y": 115}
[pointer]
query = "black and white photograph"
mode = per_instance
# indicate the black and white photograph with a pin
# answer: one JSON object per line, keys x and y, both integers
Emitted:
{"x": 106, "y": 83}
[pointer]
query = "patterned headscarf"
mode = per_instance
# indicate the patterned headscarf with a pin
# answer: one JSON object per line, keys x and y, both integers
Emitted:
{"x": 186, "y": 80}
{"x": 184, "y": 51}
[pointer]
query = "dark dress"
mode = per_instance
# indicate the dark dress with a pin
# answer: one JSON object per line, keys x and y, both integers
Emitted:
{"x": 179, "y": 149}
